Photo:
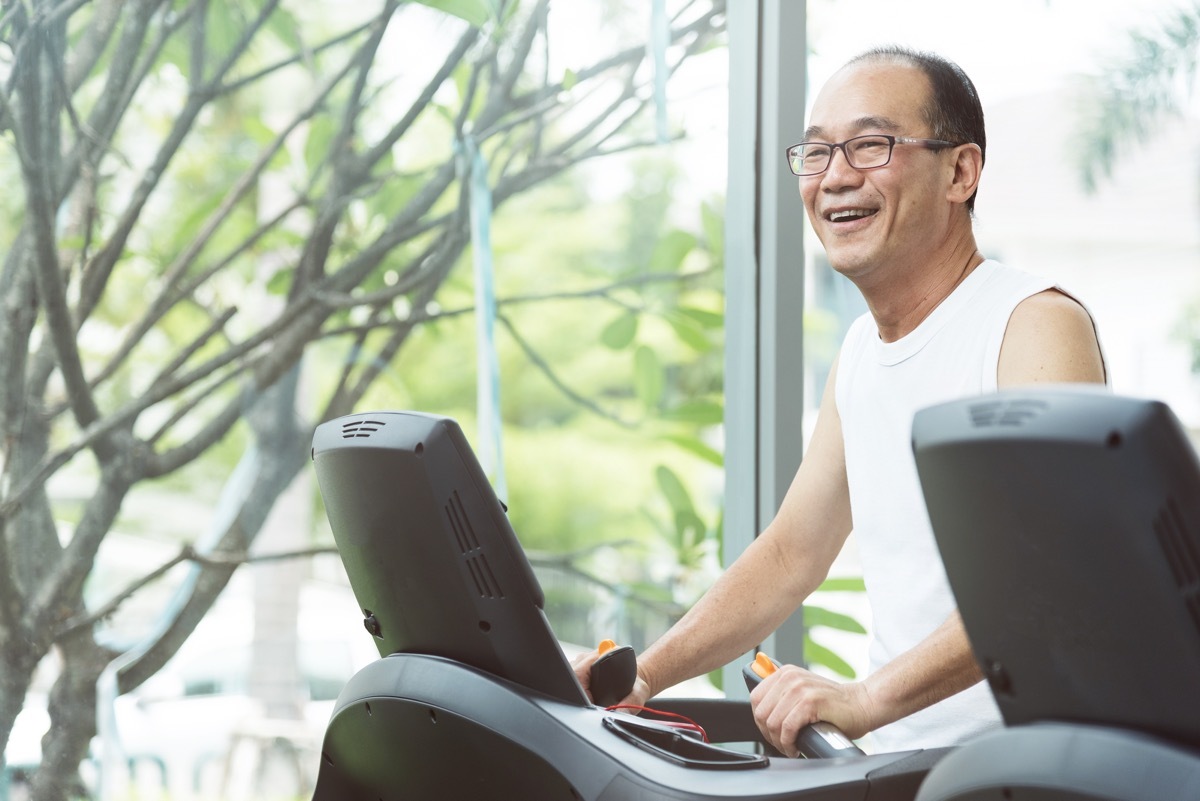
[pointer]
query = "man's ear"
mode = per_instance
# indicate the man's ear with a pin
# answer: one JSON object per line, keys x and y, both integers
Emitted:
{"x": 968, "y": 166}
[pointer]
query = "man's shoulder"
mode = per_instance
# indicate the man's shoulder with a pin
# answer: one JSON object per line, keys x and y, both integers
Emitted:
{"x": 1050, "y": 337}
{"x": 1052, "y": 306}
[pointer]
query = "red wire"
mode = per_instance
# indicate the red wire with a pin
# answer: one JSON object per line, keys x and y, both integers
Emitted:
{"x": 680, "y": 721}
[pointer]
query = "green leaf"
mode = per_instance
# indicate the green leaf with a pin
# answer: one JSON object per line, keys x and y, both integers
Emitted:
{"x": 286, "y": 28}
{"x": 696, "y": 447}
{"x": 320, "y": 136}
{"x": 648, "y": 378}
{"x": 702, "y": 317}
{"x": 674, "y": 490}
{"x": 699, "y": 412}
{"x": 689, "y": 332}
{"x": 713, "y": 224}
{"x": 476, "y": 12}
{"x": 225, "y": 23}
{"x": 670, "y": 251}
{"x": 569, "y": 79}
{"x": 817, "y": 654}
{"x": 844, "y": 584}
{"x": 280, "y": 282}
{"x": 620, "y": 332}
{"x": 690, "y": 531}
{"x": 819, "y": 616}
{"x": 189, "y": 222}
{"x": 650, "y": 592}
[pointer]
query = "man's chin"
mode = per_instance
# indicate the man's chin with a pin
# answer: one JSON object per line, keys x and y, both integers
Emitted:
{"x": 849, "y": 264}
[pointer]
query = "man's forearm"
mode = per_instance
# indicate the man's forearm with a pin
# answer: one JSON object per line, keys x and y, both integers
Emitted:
{"x": 749, "y": 601}
{"x": 940, "y": 666}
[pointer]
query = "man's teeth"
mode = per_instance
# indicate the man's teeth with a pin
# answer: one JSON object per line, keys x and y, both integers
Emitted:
{"x": 845, "y": 215}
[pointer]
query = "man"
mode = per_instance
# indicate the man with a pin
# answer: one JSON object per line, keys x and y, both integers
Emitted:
{"x": 888, "y": 171}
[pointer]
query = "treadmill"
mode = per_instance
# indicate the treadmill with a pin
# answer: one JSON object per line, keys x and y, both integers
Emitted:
{"x": 1068, "y": 520}
{"x": 472, "y": 697}
{"x": 1069, "y": 523}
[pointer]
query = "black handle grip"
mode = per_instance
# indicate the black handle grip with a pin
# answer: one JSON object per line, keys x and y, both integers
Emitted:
{"x": 612, "y": 675}
{"x": 818, "y": 740}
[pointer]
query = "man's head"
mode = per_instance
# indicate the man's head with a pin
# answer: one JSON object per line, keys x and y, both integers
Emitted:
{"x": 952, "y": 111}
{"x": 904, "y": 195}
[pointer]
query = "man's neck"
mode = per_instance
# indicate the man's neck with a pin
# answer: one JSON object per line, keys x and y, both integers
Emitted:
{"x": 907, "y": 297}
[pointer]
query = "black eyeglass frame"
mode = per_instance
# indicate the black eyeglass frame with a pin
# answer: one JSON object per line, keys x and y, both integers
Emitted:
{"x": 932, "y": 144}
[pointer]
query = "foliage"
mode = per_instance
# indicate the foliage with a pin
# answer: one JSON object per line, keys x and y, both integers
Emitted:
{"x": 1124, "y": 105}
{"x": 204, "y": 196}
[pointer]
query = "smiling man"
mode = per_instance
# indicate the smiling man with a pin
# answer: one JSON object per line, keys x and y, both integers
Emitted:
{"x": 888, "y": 170}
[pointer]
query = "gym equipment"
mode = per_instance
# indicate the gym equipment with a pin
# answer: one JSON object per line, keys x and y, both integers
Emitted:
{"x": 472, "y": 696}
{"x": 820, "y": 740}
{"x": 1068, "y": 520}
{"x": 611, "y": 677}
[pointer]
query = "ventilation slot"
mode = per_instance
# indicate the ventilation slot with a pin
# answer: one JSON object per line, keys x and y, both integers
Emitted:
{"x": 468, "y": 543}
{"x": 360, "y": 428}
{"x": 1005, "y": 413}
{"x": 1182, "y": 556}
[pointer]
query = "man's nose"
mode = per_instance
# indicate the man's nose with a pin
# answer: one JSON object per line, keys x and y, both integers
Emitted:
{"x": 839, "y": 172}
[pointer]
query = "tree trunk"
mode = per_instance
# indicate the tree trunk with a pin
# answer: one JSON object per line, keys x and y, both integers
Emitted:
{"x": 15, "y": 677}
{"x": 72, "y": 708}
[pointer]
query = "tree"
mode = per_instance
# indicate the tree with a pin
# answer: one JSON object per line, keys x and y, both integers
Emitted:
{"x": 174, "y": 255}
{"x": 1125, "y": 103}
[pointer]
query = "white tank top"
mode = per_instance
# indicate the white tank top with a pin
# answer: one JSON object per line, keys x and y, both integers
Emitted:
{"x": 953, "y": 353}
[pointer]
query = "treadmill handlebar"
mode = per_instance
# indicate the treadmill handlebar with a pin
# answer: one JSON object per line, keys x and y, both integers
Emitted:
{"x": 820, "y": 740}
{"x": 612, "y": 676}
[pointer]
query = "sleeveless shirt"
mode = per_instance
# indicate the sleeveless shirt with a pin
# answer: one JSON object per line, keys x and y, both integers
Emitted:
{"x": 880, "y": 385}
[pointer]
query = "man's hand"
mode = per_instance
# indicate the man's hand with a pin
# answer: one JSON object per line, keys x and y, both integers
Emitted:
{"x": 792, "y": 698}
{"x": 582, "y": 665}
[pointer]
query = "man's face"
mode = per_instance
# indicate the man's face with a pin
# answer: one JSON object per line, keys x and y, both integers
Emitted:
{"x": 898, "y": 213}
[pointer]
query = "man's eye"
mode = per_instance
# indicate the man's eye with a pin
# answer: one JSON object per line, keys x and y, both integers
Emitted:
{"x": 870, "y": 146}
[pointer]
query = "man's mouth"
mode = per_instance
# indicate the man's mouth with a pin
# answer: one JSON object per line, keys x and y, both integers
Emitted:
{"x": 843, "y": 215}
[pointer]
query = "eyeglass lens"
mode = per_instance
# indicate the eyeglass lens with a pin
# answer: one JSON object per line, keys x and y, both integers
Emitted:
{"x": 862, "y": 152}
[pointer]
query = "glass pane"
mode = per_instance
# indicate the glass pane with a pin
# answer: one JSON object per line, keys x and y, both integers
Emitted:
{"x": 609, "y": 291}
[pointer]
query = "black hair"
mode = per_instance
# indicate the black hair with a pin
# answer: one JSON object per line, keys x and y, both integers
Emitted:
{"x": 953, "y": 112}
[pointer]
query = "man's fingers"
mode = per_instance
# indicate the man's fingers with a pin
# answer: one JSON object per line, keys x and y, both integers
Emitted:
{"x": 782, "y": 707}
{"x": 582, "y": 665}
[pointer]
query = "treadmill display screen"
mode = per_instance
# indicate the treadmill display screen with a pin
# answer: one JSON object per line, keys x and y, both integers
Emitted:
{"x": 435, "y": 566}
{"x": 1069, "y": 523}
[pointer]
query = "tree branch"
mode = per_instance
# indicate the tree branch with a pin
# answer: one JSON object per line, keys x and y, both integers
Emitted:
{"x": 275, "y": 434}
{"x": 86, "y": 52}
{"x": 384, "y": 145}
{"x": 100, "y": 269}
{"x": 339, "y": 151}
{"x": 47, "y": 271}
{"x": 241, "y": 83}
{"x": 212, "y": 432}
{"x": 171, "y": 294}
{"x": 176, "y": 271}
{"x": 419, "y": 315}
{"x": 198, "y": 50}
{"x": 62, "y": 587}
{"x": 187, "y": 553}
{"x": 548, "y": 371}
{"x": 121, "y": 79}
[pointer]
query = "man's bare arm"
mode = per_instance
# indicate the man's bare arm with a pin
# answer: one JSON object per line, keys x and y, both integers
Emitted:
{"x": 1050, "y": 338}
{"x": 783, "y": 565}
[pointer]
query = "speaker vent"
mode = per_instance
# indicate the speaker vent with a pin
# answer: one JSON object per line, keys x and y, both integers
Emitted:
{"x": 1180, "y": 550}
{"x": 360, "y": 428}
{"x": 468, "y": 543}
{"x": 1005, "y": 412}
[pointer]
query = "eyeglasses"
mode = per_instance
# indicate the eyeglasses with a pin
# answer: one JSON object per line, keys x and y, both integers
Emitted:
{"x": 861, "y": 152}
